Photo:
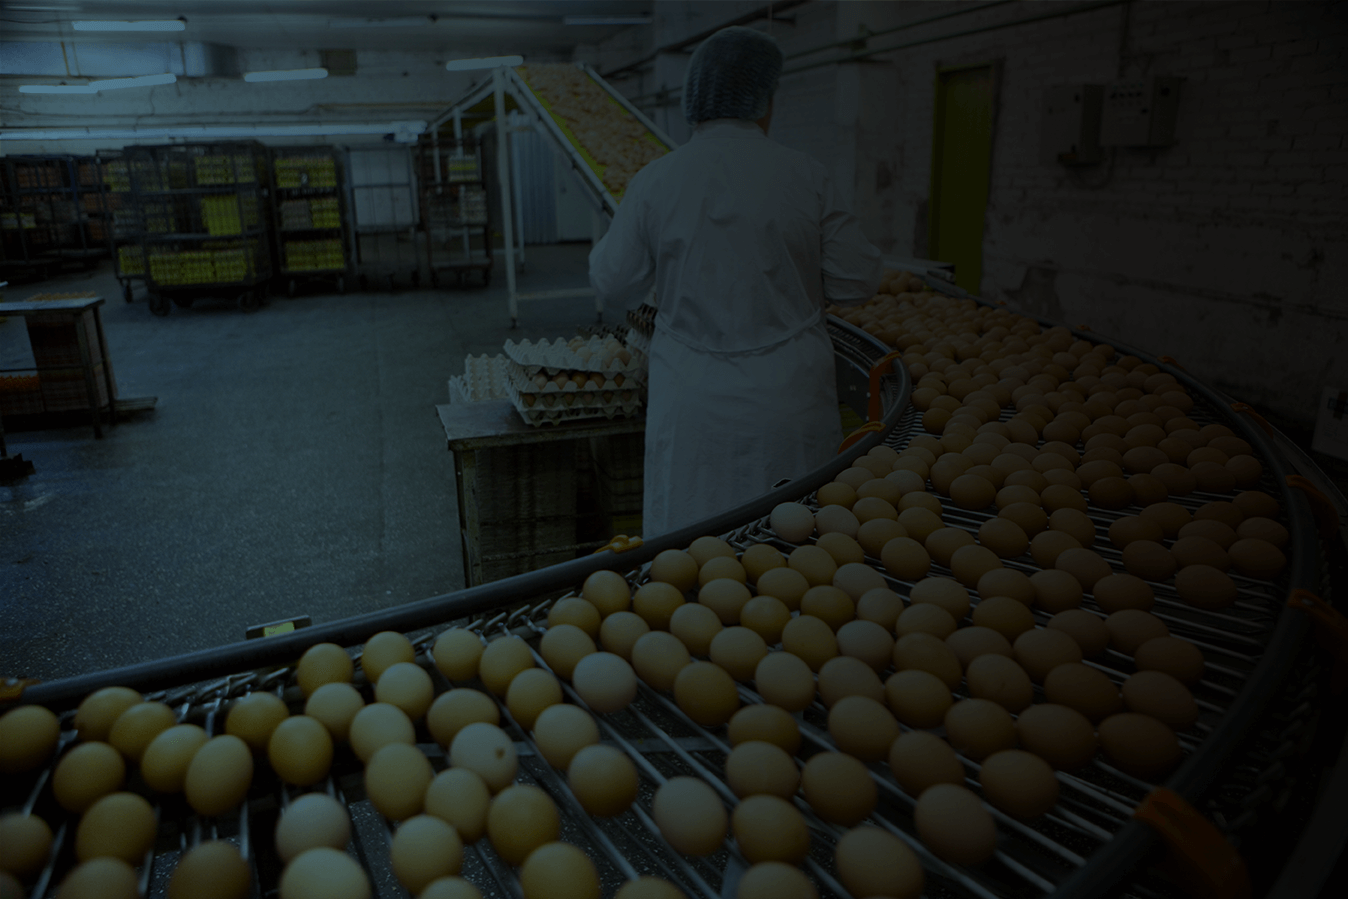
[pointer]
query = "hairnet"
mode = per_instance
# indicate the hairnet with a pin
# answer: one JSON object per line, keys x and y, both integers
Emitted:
{"x": 732, "y": 75}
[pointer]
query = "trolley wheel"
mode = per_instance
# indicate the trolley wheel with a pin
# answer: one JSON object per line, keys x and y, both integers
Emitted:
{"x": 249, "y": 301}
{"x": 341, "y": 284}
{"x": 126, "y": 291}
{"x": 183, "y": 302}
{"x": 158, "y": 303}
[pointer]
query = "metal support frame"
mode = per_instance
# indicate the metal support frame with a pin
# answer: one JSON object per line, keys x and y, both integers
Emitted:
{"x": 498, "y": 78}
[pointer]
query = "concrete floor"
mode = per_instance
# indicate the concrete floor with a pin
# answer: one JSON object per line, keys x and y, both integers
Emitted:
{"x": 294, "y": 465}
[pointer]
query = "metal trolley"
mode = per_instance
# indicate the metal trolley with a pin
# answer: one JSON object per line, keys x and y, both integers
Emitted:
{"x": 124, "y": 224}
{"x": 312, "y": 223}
{"x": 1253, "y": 700}
{"x": 455, "y": 213}
{"x": 52, "y": 214}
{"x": 206, "y": 222}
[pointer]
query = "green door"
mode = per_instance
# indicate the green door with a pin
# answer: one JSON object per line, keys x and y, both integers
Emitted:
{"x": 961, "y": 163}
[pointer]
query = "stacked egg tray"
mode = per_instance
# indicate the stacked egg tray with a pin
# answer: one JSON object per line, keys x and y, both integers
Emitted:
{"x": 1086, "y": 845}
{"x": 484, "y": 378}
{"x": 557, "y": 381}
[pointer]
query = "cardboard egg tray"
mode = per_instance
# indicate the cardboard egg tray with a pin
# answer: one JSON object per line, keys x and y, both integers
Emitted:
{"x": 563, "y": 381}
{"x": 554, "y": 357}
{"x": 555, "y": 407}
{"x": 639, "y": 344}
{"x": 484, "y": 378}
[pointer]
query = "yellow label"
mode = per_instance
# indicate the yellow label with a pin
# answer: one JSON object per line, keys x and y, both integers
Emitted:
{"x": 272, "y": 630}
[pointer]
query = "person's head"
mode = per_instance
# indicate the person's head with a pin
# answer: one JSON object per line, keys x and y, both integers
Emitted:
{"x": 732, "y": 75}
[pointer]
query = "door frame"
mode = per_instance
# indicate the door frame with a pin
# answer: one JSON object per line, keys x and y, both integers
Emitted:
{"x": 938, "y": 126}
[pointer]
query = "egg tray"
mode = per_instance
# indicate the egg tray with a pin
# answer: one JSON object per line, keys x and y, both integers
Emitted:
{"x": 484, "y": 378}
{"x": 1089, "y": 845}
{"x": 639, "y": 342}
{"x": 525, "y": 383}
{"x": 553, "y": 357}
{"x": 551, "y": 408}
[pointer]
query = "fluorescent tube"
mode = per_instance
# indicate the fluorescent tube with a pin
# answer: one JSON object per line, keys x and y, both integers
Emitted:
{"x": 57, "y": 89}
{"x": 489, "y": 62}
{"x": 164, "y": 25}
{"x": 286, "y": 75}
{"x": 110, "y": 84}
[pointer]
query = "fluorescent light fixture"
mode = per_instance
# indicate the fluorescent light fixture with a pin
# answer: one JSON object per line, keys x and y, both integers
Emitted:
{"x": 404, "y": 132}
{"x": 606, "y": 20}
{"x": 112, "y": 84}
{"x": 394, "y": 22}
{"x": 57, "y": 89}
{"x": 163, "y": 25}
{"x": 488, "y": 62}
{"x": 286, "y": 75}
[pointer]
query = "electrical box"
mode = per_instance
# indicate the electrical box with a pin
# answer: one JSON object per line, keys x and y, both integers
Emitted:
{"x": 1071, "y": 125}
{"x": 1140, "y": 113}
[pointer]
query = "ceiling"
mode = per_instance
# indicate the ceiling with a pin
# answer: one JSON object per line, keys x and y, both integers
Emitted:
{"x": 515, "y": 26}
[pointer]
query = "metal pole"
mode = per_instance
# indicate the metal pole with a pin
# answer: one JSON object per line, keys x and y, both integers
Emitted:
{"x": 503, "y": 178}
{"x": 515, "y": 152}
{"x": 435, "y": 150}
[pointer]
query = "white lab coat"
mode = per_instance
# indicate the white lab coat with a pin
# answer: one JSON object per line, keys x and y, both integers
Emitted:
{"x": 744, "y": 243}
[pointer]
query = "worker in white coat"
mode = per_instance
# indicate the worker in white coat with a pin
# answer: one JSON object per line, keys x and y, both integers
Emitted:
{"x": 745, "y": 243}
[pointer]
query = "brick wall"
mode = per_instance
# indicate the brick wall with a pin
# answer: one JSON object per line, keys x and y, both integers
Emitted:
{"x": 1226, "y": 250}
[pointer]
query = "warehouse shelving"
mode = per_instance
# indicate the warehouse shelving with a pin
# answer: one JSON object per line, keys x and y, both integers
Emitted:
{"x": 48, "y": 214}
{"x": 206, "y": 226}
{"x": 310, "y": 216}
{"x": 124, "y": 225}
{"x": 455, "y": 213}
{"x": 506, "y": 89}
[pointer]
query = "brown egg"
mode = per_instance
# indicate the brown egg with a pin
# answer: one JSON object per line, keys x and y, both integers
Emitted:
{"x": 577, "y": 613}
{"x": 690, "y": 816}
{"x": 954, "y": 825}
{"x": 1084, "y": 689}
{"x": 917, "y": 698}
{"x": 679, "y": 569}
{"x": 521, "y": 819}
{"x": 968, "y": 643}
{"x": 396, "y": 777}
{"x": 836, "y": 493}
{"x": 924, "y": 618}
{"x": 905, "y": 559}
{"x": 98, "y": 878}
{"x": 999, "y": 679}
{"x": 874, "y": 862}
{"x": 867, "y": 641}
{"x": 1130, "y": 628}
{"x": 836, "y": 519}
{"x": 1264, "y": 529}
{"x": 1225, "y": 512}
{"x": 326, "y": 872}
{"x": 1041, "y": 650}
{"x": 563, "y": 730}
{"x": 1161, "y": 696}
{"x": 943, "y": 592}
{"x": 838, "y": 788}
{"x": 1055, "y": 591}
{"x": 765, "y": 723}
{"x": 1257, "y": 504}
{"x": 1142, "y": 459}
{"x": 1257, "y": 558}
{"x": 704, "y": 548}
{"x": 775, "y": 880}
{"x": 856, "y": 579}
{"x": 785, "y": 584}
{"x": 1046, "y": 546}
{"x": 380, "y": 651}
{"x": 970, "y": 563}
{"x": 563, "y": 646}
{"x": 716, "y": 567}
{"x": 862, "y": 727}
{"x": 942, "y": 544}
{"x": 811, "y": 639}
{"x": 756, "y": 767}
{"x": 1139, "y": 745}
{"x": 1006, "y": 616}
{"x": 738, "y": 650}
{"x": 101, "y": 709}
{"x": 768, "y": 828}
{"x": 1086, "y": 628}
{"x": 1123, "y": 591}
{"x": 1020, "y": 493}
{"x": 86, "y": 773}
{"x": 300, "y": 750}
{"x": 925, "y": 652}
{"x": 874, "y": 534}
{"x": 28, "y": 738}
{"x": 1147, "y": 489}
{"x": 1007, "y": 582}
{"x": 814, "y": 563}
{"x": 1170, "y": 516}
{"x": 212, "y": 870}
{"x": 312, "y": 820}
{"x": 1206, "y": 587}
{"x": 977, "y": 728}
{"x": 880, "y": 606}
{"x": 120, "y": 825}
{"x": 757, "y": 559}
{"x": 846, "y": 676}
{"x": 502, "y": 659}
{"x": 25, "y": 842}
{"x": 920, "y": 759}
{"x": 1128, "y": 529}
{"x": 1019, "y": 783}
{"x": 1149, "y": 561}
{"x": 706, "y": 694}
{"x": 1030, "y": 517}
{"x": 1061, "y": 736}
{"x": 1074, "y": 523}
{"x": 1174, "y": 656}
{"x": 606, "y": 682}
{"x": 726, "y": 597}
{"x": 1086, "y": 566}
{"x": 323, "y": 663}
{"x": 253, "y": 717}
{"x": 457, "y": 651}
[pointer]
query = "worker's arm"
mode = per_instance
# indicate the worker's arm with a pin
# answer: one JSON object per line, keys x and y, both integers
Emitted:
{"x": 850, "y": 263}
{"x": 622, "y": 267}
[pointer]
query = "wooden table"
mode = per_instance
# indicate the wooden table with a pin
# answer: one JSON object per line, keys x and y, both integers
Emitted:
{"x": 490, "y": 442}
{"x": 72, "y": 311}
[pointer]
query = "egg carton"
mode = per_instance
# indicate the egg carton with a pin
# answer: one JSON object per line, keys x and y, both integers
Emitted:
{"x": 639, "y": 343}
{"x": 484, "y": 378}
{"x": 606, "y": 355}
{"x": 557, "y": 406}
{"x": 570, "y": 381}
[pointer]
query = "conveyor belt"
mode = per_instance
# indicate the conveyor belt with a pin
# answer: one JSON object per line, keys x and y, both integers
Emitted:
{"x": 1087, "y": 846}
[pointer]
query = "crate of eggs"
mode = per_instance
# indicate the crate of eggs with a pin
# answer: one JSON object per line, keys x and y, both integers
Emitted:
{"x": 601, "y": 355}
{"x": 484, "y": 378}
{"x": 550, "y": 399}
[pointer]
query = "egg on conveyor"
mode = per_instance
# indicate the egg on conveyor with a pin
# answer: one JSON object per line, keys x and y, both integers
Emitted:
{"x": 25, "y": 840}
{"x": 559, "y": 871}
{"x": 312, "y": 820}
{"x": 377, "y": 725}
{"x": 219, "y": 775}
{"x": 324, "y": 873}
{"x": 121, "y": 825}
{"x": 383, "y": 650}
{"x": 28, "y": 738}
{"x": 300, "y": 750}
{"x": 767, "y": 723}
{"x": 690, "y": 816}
{"x": 408, "y": 686}
{"x": 838, "y": 787}
{"x": 873, "y": 862}
{"x": 521, "y": 818}
{"x": 212, "y": 870}
{"x": 396, "y": 778}
{"x": 769, "y": 828}
{"x": 487, "y": 751}
{"x": 606, "y": 682}
{"x": 424, "y": 849}
{"x": 603, "y": 779}
{"x": 953, "y": 824}
{"x": 457, "y": 653}
{"x": 920, "y": 759}
{"x": 460, "y": 797}
{"x": 563, "y": 730}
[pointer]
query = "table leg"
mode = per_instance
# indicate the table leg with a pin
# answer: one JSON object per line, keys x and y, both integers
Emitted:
{"x": 465, "y": 470}
{"x": 107, "y": 367}
{"x": 90, "y": 385}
